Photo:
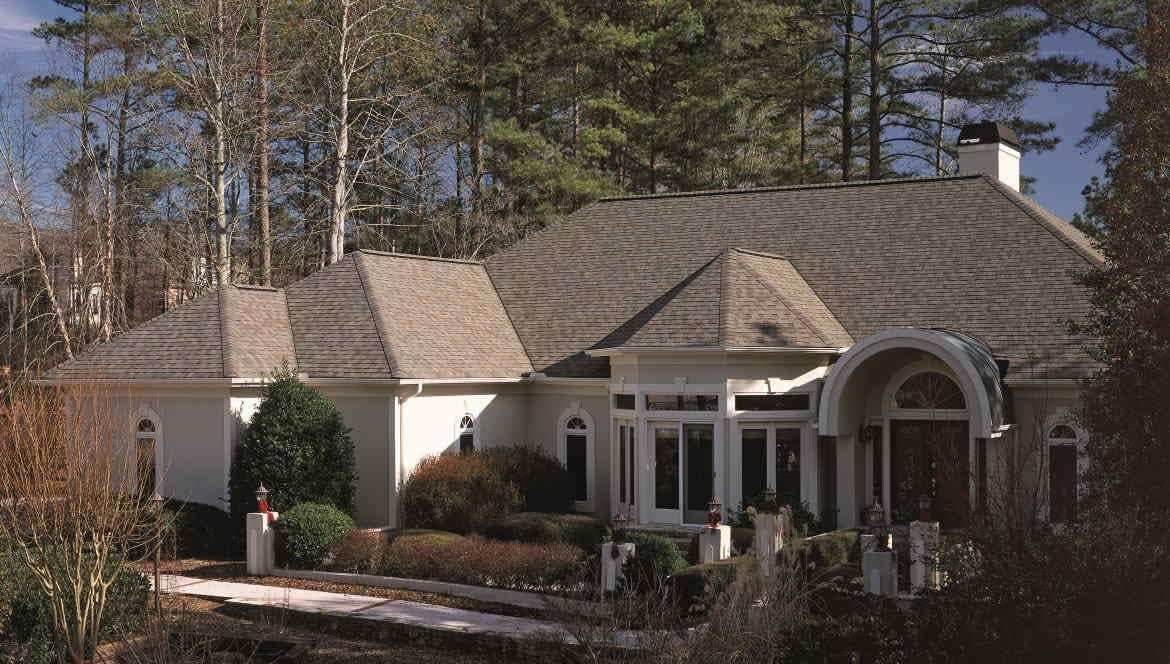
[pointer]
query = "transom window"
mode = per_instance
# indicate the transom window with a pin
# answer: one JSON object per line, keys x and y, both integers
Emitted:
{"x": 576, "y": 424}
{"x": 466, "y": 435}
{"x": 929, "y": 390}
{"x": 704, "y": 402}
{"x": 1062, "y": 433}
{"x": 754, "y": 402}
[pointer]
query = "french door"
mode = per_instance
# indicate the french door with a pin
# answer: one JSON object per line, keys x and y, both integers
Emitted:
{"x": 929, "y": 461}
{"x": 769, "y": 456}
{"x": 684, "y": 462}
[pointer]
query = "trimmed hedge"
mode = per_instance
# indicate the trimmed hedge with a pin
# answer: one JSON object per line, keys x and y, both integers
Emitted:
{"x": 298, "y": 446}
{"x": 832, "y": 549}
{"x": 308, "y": 531}
{"x": 695, "y": 585}
{"x": 540, "y": 478}
{"x": 199, "y": 530}
{"x": 655, "y": 559}
{"x": 459, "y": 494}
{"x": 581, "y": 530}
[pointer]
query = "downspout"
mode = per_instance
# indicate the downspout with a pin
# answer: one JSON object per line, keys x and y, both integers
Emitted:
{"x": 400, "y": 436}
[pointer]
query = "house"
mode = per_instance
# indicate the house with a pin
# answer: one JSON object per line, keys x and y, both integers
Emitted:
{"x": 889, "y": 341}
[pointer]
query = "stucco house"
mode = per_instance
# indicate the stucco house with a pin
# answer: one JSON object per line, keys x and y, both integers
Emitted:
{"x": 841, "y": 343}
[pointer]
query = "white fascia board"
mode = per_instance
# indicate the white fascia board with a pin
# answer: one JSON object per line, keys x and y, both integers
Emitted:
{"x": 138, "y": 382}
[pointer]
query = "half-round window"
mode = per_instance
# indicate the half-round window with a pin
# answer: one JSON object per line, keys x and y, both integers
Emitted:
{"x": 576, "y": 424}
{"x": 1062, "y": 433}
{"x": 145, "y": 426}
{"x": 929, "y": 390}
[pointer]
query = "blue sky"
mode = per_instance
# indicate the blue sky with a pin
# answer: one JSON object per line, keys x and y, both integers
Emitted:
{"x": 1061, "y": 173}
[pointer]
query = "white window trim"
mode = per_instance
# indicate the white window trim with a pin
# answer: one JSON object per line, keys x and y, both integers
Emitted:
{"x": 572, "y": 411}
{"x": 460, "y": 430}
{"x": 147, "y": 413}
{"x": 1062, "y": 418}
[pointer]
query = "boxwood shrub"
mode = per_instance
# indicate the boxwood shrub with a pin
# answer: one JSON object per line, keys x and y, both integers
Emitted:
{"x": 655, "y": 559}
{"x": 581, "y": 530}
{"x": 199, "y": 530}
{"x": 308, "y": 531}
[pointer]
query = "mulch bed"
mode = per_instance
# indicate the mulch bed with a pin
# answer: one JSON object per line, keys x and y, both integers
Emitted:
{"x": 234, "y": 571}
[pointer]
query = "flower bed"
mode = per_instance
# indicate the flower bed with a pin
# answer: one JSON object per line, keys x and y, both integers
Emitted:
{"x": 440, "y": 556}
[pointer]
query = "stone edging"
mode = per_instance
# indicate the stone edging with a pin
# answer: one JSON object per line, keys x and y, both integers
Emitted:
{"x": 518, "y": 598}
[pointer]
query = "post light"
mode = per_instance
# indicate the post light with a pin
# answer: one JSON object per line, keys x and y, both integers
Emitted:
{"x": 714, "y": 512}
{"x": 924, "y": 504}
{"x": 262, "y": 498}
{"x": 768, "y": 503}
{"x": 875, "y": 518}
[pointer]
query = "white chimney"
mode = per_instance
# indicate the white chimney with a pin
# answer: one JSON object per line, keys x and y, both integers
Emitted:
{"x": 992, "y": 149}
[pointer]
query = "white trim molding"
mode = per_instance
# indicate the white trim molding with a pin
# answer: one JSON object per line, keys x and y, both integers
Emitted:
{"x": 575, "y": 410}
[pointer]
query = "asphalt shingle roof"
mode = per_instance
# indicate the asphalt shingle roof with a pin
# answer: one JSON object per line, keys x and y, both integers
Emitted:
{"x": 964, "y": 253}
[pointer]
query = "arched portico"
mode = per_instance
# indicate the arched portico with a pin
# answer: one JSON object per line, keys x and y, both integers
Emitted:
{"x": 857, "y": 409}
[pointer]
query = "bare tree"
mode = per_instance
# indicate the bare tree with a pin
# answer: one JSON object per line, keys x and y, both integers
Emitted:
{"x": 72, "y": 505}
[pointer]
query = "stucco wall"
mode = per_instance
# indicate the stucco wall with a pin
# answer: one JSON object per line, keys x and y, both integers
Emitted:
{"x": 372, "y": 420}
{"x": 546, "y": 408}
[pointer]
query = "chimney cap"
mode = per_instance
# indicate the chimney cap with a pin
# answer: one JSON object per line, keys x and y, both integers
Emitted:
{"x": 984, "y": 133}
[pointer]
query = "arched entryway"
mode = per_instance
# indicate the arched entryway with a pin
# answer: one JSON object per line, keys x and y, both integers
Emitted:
{"x": 909, "y": 411}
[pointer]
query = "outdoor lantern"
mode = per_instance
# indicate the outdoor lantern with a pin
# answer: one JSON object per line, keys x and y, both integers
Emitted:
{"x": 156, "y": 502}
{"x": 924, "y": 502}
{"x": 875, "y": 515}
{"x": 769, "y": 501}
{"x": 262, "y": 498}
{"x": 714, "y": 512}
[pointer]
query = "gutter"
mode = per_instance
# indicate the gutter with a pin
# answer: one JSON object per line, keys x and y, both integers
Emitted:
{"x": 619, "y": 350}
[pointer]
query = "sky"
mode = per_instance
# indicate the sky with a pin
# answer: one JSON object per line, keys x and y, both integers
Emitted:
{"x": 1060, "y": 174}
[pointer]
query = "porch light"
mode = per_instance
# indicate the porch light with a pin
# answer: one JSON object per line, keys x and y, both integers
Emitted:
{"x": 262, "y": 498}
{"x": 875, "y": 515}
{"x": 156, "y": 502}
{"x": 714, "y": 512}
{"x": 768, "y": 501}
{"x": 924, "y": 504}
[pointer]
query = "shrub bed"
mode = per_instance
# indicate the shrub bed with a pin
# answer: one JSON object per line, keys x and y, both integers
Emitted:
{"x": 460, "y": 494}
{"x": 694, "y": 586}
{"x": 540, "y": 478}
{"x": 308, "y": 531}
{"x": 831, "y": 549}
{"x": 471, "y": 559}
{"x": 199, "y": 530}
{"x": 580, "y": 530}
{"x": 655, "y": 559}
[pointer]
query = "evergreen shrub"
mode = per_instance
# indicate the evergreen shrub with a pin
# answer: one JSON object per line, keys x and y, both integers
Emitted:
{"x": 308, "y": 531}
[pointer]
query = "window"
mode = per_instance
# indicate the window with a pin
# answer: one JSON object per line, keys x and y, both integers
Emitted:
{"x": 750, "y": 402}
{"x": 623, "y": 401}
{"x": 145, "y": 443}
{"x": 788, "y": 466}
{"x": 466, "y": 435}
{"x": 929, "y": 390}
{"x": 704, "y": 402}
{"x": 754, "y": 462}
{"x": 1062, "y": 474}
{"x": 577, "y": 456}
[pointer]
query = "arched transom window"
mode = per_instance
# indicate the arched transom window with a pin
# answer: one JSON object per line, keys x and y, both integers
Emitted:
{"x": 145, "y": 443}
{"x": 1062, "y": 434}
{"x": 929, "y": 390}
{"x": 466, "y": 435}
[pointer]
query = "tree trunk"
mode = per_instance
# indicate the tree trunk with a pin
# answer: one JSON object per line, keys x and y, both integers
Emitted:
{"x": 847, "y": 95}
{"x": 223, "y": 264}
{"x": 341, "y": 149}
{"x": 262, "y": 142}
{"x": 875, "y": 91}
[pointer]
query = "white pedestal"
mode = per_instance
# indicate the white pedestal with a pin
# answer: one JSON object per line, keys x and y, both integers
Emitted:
{"x": 924, "y": 544}
{"x": 879, "y": 569}
{"x": 261, "y": 543}
{"x": 714, "y": 544}
{"x": 612, "y": 566}
{"x": 870, "y": 542}
{"x": 770, "y": 530}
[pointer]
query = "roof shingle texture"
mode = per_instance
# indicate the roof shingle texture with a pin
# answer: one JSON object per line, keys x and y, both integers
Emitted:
{"x": 371, "y": 315}
{"x": 964, "y": 253}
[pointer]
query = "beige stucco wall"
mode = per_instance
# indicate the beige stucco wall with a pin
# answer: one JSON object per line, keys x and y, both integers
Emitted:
{"x": 549, "y": 406}
{"x": 371, "y": 419}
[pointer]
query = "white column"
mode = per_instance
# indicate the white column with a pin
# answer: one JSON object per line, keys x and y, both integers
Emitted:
{"x": 847, "y": 506}
{"x": 261, "y": 543}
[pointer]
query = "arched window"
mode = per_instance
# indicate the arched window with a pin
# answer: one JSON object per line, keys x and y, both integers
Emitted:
{"x": 466, "y": 435}
{"x": 576, "y": 451}
{"x": 145, "y": 444}
{"x": 1062, "y": 473}
{"x": 929, "y": 390}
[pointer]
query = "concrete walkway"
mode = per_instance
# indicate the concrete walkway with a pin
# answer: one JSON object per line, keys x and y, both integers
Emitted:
{"x": 360, "y": 606}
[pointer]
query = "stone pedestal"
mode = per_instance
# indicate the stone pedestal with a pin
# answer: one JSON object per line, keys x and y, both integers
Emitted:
{"x": 879, "y": 571}
{"x": 261, "y": 543}
{"x": 714, "y": 544}
{"x": 924, "y": 545}
{"x": 613, "y": 560}
{"x": 871, "y": 542}
{"x": 770, "y": 531}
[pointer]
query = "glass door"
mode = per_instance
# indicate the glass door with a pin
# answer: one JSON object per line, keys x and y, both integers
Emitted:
{"x": 626, "y": 470}
{"x": 769, "y": 457}
{"x": 684, "y": 471}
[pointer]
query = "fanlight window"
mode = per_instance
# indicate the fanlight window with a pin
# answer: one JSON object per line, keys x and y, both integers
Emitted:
{"x": 929, "y": 390}
{"x": 576, "y": 424}
{"x": 1062, "y": 433}
{"x": 146, "y": 426}
{"x": 466, "y": 435}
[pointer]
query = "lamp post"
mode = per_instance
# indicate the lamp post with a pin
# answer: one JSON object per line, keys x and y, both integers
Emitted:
{"x": 714, "y": 512}
{"x": 768, "y": 502}
{"x": 924, "y": 505}
{"x": 156, "y": 503}
{"x": 875, "y": 518}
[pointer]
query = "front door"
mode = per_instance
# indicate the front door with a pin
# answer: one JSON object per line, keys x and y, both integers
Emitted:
{"x": 684, "y": 471}
{"x": 930, "y": 465}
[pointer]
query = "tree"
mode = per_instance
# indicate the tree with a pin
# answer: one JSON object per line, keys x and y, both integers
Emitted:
{"x": 70, "y": 508}
{"x": 298, "y": 447}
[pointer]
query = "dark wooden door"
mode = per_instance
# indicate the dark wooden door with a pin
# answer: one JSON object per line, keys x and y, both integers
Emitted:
{"x": 930, "y": 458}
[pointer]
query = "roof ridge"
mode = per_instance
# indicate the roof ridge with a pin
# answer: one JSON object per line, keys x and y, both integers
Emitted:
{"x": 391, "y": 364}
{"x": 224, "y": 355}
{"x": 438, "y": 259}
{"x": 791, "y": 187}
{"x": 1033, "y": 210}
{"x": 508, "y": 315}
{"x": 762, "y": 254}
{"x": 255, "y": 287}
{"x": 721, "y": 331}
{"x": 804, "y": 320}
